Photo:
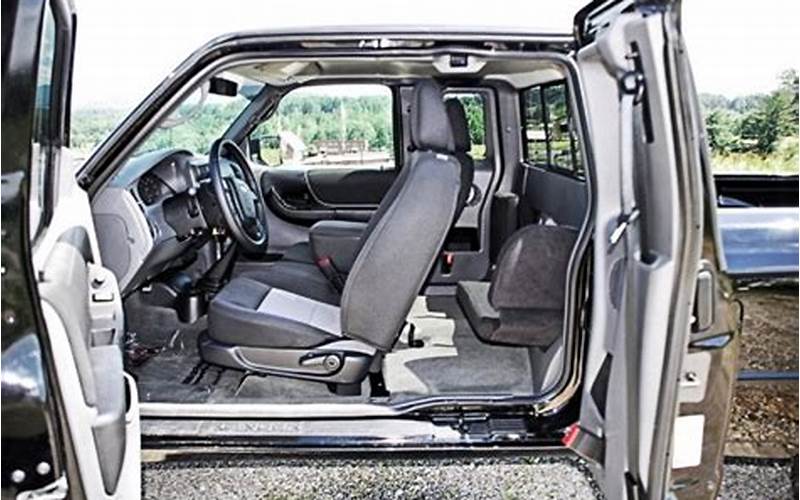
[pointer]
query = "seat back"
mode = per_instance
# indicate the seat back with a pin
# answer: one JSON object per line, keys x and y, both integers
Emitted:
{"x": 463, "y": 146}
{"x": 528, "y": 288}
{"x": 457, "y": 119}
{"x": 406, "y": 235}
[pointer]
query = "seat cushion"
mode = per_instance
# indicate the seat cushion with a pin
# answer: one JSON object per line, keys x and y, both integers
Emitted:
{"x": 250, "y": 313}
{"x": 473, "y": 296}
{"x": 303, "y": 279}
{"x": 299, "y": 252}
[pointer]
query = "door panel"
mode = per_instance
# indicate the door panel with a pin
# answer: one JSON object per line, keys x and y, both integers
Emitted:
{"x": 353, "y": 188}
{"x": 82, "y": 308}
{"x": 647, "y": 251}
{"x": 83, "y": 312}
{"x": 556, "y": 196}
{"x": 308, "y": 196}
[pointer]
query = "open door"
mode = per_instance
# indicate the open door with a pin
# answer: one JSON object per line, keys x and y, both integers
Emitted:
{"x": 65, "y": 347}
{"x": 644, "y": 420}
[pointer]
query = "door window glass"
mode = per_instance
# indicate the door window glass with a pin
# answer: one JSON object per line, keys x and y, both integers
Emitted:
{"x": 328, "y": 126}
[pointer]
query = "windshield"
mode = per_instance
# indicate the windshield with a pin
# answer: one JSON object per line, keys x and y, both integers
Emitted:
{"x": 202, "y": 117}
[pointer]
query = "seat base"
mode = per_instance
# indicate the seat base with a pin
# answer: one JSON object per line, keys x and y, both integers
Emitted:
{"x": 339, "y": 362}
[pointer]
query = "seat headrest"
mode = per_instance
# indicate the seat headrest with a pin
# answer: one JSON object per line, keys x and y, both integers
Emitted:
{"x": 430, "y": 126}
{"x": 458, "y": 120}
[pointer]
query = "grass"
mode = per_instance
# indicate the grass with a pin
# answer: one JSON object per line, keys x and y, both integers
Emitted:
{"x": 781, "y": 162}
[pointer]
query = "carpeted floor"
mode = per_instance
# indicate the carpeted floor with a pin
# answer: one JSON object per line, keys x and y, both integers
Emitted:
{"x": 451, "y": 361}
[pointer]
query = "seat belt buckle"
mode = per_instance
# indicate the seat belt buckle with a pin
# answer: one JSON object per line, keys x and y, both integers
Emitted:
{"x": 447, "y": 262}
{"x": 325, "y": 264}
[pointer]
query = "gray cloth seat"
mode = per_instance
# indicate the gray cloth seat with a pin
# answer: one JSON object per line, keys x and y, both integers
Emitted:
{"x": 250, "y": 313}
{"x": 303, "y": 279}
{"x": 523, "y": 305}
{"x": 301, "y": 252}
{"x": 259, "y": 326}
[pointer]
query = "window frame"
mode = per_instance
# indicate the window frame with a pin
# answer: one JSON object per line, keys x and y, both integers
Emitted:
{"x": 56, "y": 127}
{"x": 575, "y": 148}
{"x": 395, "y": 110}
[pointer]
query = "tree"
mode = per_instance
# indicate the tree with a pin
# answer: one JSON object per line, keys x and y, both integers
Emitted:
{"x": 720, "y": 126}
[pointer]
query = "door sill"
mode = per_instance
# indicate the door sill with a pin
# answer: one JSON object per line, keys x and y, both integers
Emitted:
{"x": 297, "y": 411}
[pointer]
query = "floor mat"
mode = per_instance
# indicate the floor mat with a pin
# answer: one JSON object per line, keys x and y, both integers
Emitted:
{"x": 452, "y": 359}
{"x": 176, "y": 374}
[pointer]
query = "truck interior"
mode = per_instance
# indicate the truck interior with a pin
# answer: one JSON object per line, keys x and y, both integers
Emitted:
{"x": 440, "y": 268}
{"x": 445, "y": 261}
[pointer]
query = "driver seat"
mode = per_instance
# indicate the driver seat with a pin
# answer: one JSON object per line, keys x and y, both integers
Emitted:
{"x": 264, "y": 328}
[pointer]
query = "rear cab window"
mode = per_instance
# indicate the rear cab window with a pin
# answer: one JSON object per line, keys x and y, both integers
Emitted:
{"x": 550, "y": 140}
{"x": 329, "y": 126}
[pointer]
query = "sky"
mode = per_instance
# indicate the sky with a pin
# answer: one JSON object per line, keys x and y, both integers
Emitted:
{"x": 125, "y": 48}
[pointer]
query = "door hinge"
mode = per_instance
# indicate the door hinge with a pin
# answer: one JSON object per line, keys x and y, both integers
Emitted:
{"x": 57, "y": 490}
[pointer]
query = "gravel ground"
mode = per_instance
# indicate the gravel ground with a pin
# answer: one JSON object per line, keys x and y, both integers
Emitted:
{"x": 751, "y": 479}
{"x": 551, "y": 476}
{"x": 769, "y": 333}
{"x": 764, "y": 420}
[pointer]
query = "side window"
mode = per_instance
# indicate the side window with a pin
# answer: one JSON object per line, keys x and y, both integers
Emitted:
{"x": 42, "y": 118}
{"x": 328, "y": 126}
{"x": 474, "y": 108}
{"x": 549, "y": 131}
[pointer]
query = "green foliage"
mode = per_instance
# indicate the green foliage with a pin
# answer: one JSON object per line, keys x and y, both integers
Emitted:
{"x": 319, "y": 118}
{"x": 473, "y": 108}
{"x": 757, "y": 132}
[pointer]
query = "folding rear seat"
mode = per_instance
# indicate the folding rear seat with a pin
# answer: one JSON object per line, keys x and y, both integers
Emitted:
{"x": 523, "y": 304}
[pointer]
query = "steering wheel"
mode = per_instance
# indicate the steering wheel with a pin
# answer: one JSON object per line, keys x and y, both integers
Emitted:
{"x": 238, "y": 196}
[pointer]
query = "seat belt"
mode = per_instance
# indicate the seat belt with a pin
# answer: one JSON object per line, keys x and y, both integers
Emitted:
{"x": 632, "y": 87}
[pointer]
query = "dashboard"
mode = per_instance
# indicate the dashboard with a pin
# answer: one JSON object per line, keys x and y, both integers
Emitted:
{"x": 153, "y": 214}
